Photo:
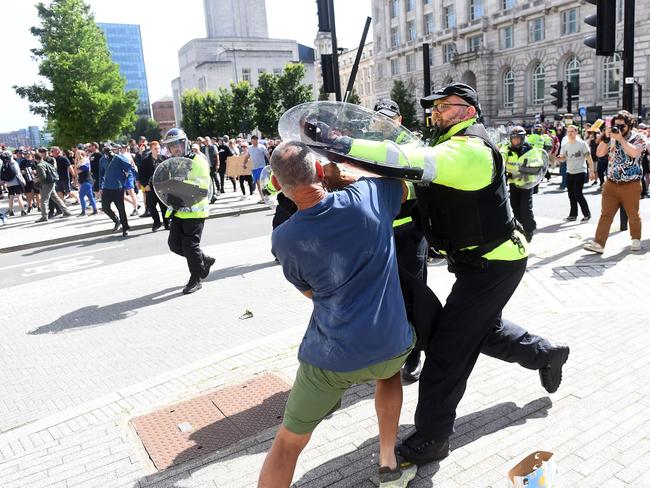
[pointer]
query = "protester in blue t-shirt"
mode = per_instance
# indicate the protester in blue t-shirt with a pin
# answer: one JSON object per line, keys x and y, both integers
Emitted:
{"x": 338, "y": 250}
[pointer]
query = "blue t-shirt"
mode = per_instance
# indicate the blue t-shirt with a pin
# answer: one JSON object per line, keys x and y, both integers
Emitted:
{"x": 343, "y": 250}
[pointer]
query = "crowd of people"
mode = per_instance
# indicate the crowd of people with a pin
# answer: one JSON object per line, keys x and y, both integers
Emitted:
{"x": 52, "y": 180}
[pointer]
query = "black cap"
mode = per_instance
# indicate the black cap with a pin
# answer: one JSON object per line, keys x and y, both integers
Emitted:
{"x": 461, "y": 90}
{"x": 387, "y": 107}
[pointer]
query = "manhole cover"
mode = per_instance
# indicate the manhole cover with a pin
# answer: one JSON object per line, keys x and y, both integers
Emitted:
{"x": 196, "y": 427}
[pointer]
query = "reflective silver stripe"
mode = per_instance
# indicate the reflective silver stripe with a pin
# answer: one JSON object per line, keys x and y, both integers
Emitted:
{"x": 392, "y": 154}
{"x": 430, "y": 171}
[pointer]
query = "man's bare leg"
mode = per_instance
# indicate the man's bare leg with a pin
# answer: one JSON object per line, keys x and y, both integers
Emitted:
{"x": 280, "y": 462}
{"x": 388, "y": 405}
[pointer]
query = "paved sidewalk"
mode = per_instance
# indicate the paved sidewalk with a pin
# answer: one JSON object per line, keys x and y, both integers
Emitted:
{"x": 25, "y": 232}
{"x": 597, "y": 424}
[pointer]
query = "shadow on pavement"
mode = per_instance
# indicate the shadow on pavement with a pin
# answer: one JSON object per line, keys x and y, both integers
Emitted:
{"x": 80, "y": 243}
{"x": 98, "y": 315}
{"x": 360, "y": 465}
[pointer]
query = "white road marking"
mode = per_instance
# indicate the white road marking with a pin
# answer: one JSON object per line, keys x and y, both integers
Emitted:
{"x": 61, "y": 257}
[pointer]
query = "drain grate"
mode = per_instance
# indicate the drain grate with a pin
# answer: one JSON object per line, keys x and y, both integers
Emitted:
{"x": 205, "y": 424}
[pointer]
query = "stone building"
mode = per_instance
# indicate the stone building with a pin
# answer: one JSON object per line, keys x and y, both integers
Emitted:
{"x": 237, "y": 48}
{"x": 363, "y": 83}
{"x": 511, "y": 51}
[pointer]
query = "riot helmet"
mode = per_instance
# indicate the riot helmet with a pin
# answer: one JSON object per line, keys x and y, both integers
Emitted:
{"x": 176, "y": 142}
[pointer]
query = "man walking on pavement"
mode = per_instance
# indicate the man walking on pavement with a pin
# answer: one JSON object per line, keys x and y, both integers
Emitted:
{"x": 186, "y": 224}
{"x": 113, "y": 177}
{"x": 47, "y": 177}
{"x": 344, "y": 344}
{"x": 574, "y": 153}
{"x": 260, "y": 157}
{"x": 149, "y": 164}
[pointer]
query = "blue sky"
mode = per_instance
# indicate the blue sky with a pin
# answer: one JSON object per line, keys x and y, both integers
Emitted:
{"x": 165, "y": 27}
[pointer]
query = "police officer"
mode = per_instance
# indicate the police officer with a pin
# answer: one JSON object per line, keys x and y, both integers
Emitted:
{"x": 539, "y": 139}
{"x": 410, "y": 246}
{"x": 521, "y": 199}
{"x": 463, "y": 204}
{"x": 186, "y": 224}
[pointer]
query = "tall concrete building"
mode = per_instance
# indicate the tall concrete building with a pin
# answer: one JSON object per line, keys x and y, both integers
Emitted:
{"x": 511, "y": 51}
{"x": 237, "y": 48}
{"x": 125, "y": 44}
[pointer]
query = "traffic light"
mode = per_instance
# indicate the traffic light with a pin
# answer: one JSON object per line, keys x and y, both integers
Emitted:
{"x": 604, "y": 42}
{"x": 558, "y": 94}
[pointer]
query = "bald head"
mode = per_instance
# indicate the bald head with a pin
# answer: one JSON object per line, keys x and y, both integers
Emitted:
{"x": 294, "y": 165}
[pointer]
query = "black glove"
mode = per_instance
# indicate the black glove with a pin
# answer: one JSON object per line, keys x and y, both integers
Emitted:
{"x": 321, "y": 133}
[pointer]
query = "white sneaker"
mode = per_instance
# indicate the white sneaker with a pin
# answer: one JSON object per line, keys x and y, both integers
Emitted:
{"x": 636, "y": 245}
{"x": 593, "y": 246}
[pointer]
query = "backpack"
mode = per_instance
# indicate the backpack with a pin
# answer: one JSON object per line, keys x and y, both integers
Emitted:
{"x": 7, "y": 173}
{"x": 51, "y": 176}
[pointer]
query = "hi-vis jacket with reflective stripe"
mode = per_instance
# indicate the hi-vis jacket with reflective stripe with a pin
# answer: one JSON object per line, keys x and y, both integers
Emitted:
{"x": 200, "y": 172}
{"x": 465, "y": 203}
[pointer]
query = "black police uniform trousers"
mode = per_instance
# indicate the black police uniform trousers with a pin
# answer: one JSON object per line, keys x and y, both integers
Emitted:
{"x": 116, "y": 197}
{"x": 521, "y": 202}
{"x": 412, "y": 250}
{"x": 153, "y": 203}
{"x": 468, "y": 324}
{"x": 185, "y": 240}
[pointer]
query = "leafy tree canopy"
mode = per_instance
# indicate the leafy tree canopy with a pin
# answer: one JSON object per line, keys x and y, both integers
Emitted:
{"x": 84, "y": 95}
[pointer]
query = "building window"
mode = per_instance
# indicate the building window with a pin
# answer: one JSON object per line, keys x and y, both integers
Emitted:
{"x": 426, "y": 2}
{"x": 428, "y": 24}
{"x": 411, "y": 30}
{"x": 620, "y": 10}
{"x": 611, "y": 76}
{"x": 474, "y": 43}
{"x": 394, "y": 67}
{"x": 448, "y": 16}
{"x": 475, "y": 9}
{"x": 572, "y": 75}
{"x": 410, "y": 5}
{"x": 448, "y": 51}
{"x": 507, "y": 4}
{"x": 539, "y": 79}
{"x": 536, "y": 30}
{"x": 394, "y": 37}
{"x": 430, "y": 57}
{"x": 277, "y": 71}
{"x": 394, "y": 8}
{"x": 508, "y": 89}
{"x": 506, "y": 38}
{"x": 380, "y": 70}
{"x": 246, "y": 74}
{"x": 410, "y": 63}
{"x": 570, "y": 21}
{"x": 202, "y": 84}
{"x": 260, "y": 71}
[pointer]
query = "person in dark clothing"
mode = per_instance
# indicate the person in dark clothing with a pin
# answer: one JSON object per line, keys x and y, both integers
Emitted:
{"x": 94, "y": 156}
{"x": 148, "y": 167}
{"x": 211, "y": 153}
{"x": 224, "y": 153}
{"x": 112, "y": 180}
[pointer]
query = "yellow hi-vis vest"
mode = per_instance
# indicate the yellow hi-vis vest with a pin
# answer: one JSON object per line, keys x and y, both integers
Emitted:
{"x": 200, "y": 172}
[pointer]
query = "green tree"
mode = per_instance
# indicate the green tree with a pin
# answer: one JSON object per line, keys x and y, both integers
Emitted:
{"x": 292, "y": 91}
{"x": 146, "y": 127}
{"x": 403, "y": 96}
{"x": 267, "y": 104}
{"x": 224, "y": 117}
{"x": 354, "y": 97}
{"x": 243, "y": 108}
{"x": 85, "y": 95}
{"x": 322, "y": 95}
{"x": 192, "y": 106}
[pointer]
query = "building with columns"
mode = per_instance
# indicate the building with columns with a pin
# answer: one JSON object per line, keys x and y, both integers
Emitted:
{"x": 237, "y": 48}
{"x": 511, "y": 51}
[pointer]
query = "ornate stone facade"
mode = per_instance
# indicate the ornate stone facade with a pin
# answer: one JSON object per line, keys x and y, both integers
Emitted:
{"x": 510, "y": 50}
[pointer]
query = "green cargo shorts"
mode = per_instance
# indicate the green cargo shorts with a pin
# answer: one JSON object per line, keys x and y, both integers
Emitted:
{"x": 317, "y": 392}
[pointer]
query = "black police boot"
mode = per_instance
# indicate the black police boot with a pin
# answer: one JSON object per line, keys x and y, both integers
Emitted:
{"x": 208, "y": 261}
{"x": 551, "y": 374}
{"x": 193, "y": 285}
{"x": 116, "y": 227}
{"x": 419, "y": 450}
{"x": 412, "y": 367}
